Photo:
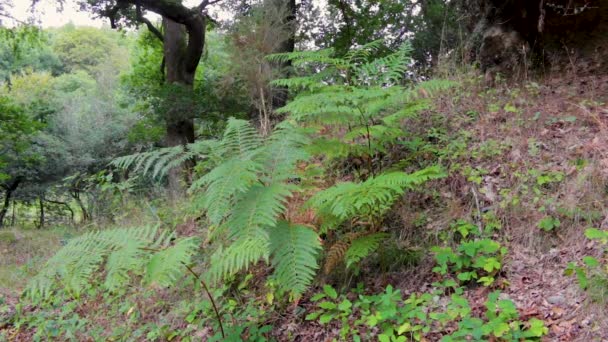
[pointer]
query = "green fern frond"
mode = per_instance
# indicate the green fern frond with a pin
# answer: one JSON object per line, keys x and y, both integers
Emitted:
{"x": 294, "y": 256}
{"x": 368, "y": 199}
{"x": 240, "y": 139}
{"x": 309, "y": 56}
{"x": 238, "y": 256}
{"x": 331, "y": 148}
{"x": 123, "y": 261}
{"x": 166, "y": 267}
{"x": 362, "y": 247}
{"x": 258, "y": 209}
{"x": 160, "y": 161}
{"x": 223, "y": 183}
{"x": 364, "y": 52}
{"x": 409, "y": 111}
{"x": 284, "y": 148}
{"x": 119, "y": 253}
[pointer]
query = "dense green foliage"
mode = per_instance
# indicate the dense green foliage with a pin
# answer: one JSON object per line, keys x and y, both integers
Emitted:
{"x": 243, "y": 197}
{"x": 121, "y": 254}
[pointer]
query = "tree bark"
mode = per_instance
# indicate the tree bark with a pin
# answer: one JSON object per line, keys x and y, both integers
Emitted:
{"x": 9, "y": 190}
{"x": 279, "y": 99}
{"x": 183, "y": 41}
{"x": 41, "y": 202}
{"x": 180, "y": 73}
{"x": 76, "y": 195}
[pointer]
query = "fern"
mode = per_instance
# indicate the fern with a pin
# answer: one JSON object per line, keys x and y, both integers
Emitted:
{"x": 238, "y": 256}
{"x": 157, "y": 163}
{"x": 358, "y": 92}
{"x": 121, "y": 253}
{"x": 362, "y": 247}
{"x": 369, "y": 200}
{"x": 164, "y": 268}
{"x": 245, "y": 196}
{"x": 294, "y": 249}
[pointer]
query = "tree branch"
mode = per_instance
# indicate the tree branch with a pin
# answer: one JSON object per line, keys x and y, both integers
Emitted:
{"x": 206, "y": 3}
{"x": 149, "y": 24}
{"x": 192, "y": 18}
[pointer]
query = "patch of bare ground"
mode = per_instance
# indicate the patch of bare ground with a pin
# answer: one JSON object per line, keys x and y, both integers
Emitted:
{"x": 557, "y": 126}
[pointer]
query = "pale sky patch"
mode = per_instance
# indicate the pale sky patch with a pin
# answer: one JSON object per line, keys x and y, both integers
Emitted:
{"x": 47, "y": 15}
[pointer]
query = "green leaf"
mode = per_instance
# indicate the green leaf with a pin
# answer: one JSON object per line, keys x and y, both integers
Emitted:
{"x": 330, "y": 291}
{"x": 327, "y": 305}
{"x": 312, "y": 316}
{"x": 486, "y": 281}
{"x": 383, "y": 338}
{"x": 596, "y": 234}
{"x": 326, "y": 318}
{"x": 345, "y": 305}
{"x": 317, "y": 297}
{"x": 591, "y": 261}
{"x": 491, "y": 264}
{"x": 537, "y": 328}
{"x": 405, "y": 327}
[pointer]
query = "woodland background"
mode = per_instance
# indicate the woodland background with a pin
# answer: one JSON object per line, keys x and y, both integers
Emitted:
{"x": 399, "y": 170}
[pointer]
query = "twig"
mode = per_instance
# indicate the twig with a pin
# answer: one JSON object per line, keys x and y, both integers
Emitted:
{"x": 217, "y": 313}
{"x": 478, "y": 209}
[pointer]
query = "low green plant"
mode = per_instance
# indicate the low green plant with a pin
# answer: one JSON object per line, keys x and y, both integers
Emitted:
{"x": 389, "y": 316}
{"x": 549, "y": 223}
{"x": 473, "y": 260}
{"x": 591, "y": 272}
{"x": 501, "y": 322}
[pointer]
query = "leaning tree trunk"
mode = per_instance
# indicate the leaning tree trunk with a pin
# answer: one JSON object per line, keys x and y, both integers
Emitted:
{"x": 180, "y": 70}
{"x": 9, "y": 190}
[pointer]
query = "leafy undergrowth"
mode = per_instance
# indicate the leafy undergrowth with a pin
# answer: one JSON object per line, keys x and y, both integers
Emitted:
{"x": 500, "y": 249}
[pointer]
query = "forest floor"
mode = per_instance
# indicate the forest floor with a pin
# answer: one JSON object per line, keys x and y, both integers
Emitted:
{"x": 511, "y": 134}
{"x": 521, "y": 152}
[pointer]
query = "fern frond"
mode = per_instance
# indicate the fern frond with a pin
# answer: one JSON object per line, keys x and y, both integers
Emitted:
{"x": 337, "y": 252}
{"x": 223, "y": 183}
{"x": 309, "y": 56}
{"x": 363, "y": 246}
{"x": 240, "y": 139}
{"x": 409, "y": 111}
{"x": 294, "y": 249}
{"x": 364, "y": 52}
{"x": 121, "y": 253}
{"x": 238, "y": 256}
{"x": 122, "y": 261}
{"x": 258, "y": 209}
{"x": 285, "y": 147}
{"x": 335, "y": 255}
{"x": 368, "y": 199}
{"x": 167, "y": 266}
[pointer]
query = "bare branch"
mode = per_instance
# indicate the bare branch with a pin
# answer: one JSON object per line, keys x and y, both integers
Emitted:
{"x": 206, "y": 3}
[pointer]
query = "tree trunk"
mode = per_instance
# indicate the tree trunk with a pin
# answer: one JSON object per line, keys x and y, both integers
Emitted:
{"x": 13, "y": 217}
{"x": 9, "y": 190}
{"x": 279, "y": 99}
{"x": 41, "y": 202}
{"x": 85, "y": 215}
{"x": 179, "y": 73}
